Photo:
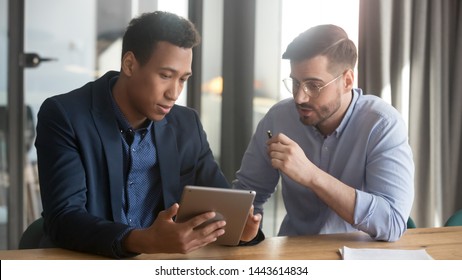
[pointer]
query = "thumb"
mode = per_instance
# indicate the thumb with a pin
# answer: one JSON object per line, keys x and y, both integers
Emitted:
{"x": 171, "y": 211}
{"x": 284, "y": 139}
{"x": 257, "y": 218}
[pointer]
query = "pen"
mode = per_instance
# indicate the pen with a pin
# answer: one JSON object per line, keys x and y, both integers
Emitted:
{"x": 269, "y": 133}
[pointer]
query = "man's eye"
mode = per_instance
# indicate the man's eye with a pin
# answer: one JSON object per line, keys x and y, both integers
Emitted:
{"x": 312, "y": 86}
{"x": 164, "y": 76}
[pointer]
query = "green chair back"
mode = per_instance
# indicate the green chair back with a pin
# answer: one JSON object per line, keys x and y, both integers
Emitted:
{"x": 411, "y": 223}
{"x": 455, "y": 219}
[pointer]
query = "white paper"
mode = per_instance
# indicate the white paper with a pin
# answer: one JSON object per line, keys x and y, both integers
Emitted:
{"x": 383, "y": 254}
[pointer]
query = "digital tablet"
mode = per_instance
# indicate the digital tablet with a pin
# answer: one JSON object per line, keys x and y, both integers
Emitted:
{"x": 230, "y": 205}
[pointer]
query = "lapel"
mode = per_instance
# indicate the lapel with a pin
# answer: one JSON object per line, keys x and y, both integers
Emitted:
{"x": 168, "y": 159}
{"x": 106, "y": 124}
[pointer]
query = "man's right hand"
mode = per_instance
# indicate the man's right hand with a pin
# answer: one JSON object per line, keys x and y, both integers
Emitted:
{"x": 167, "y": 236}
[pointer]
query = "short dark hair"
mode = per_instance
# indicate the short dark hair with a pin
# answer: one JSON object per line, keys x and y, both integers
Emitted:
{"x": 145, "y": 31}
{"x": 329, "y": 40}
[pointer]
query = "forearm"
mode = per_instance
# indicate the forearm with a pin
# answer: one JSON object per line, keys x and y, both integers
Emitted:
{"x": 337, "y": 195}
{"x": 381, "y": 215}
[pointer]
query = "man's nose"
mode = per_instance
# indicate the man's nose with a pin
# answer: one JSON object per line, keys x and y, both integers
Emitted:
{"x": 174, "y": 91}
{"x": 300, "y": 96}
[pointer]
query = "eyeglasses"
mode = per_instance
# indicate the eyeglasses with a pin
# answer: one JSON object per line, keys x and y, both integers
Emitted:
{"x": 310, "y": 88}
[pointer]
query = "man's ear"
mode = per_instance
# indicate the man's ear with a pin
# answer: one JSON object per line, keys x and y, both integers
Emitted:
{"x": 129, "y": 63}
{"x": 348, "y": 80}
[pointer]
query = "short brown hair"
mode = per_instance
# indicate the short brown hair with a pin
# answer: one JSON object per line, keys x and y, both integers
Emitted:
{"x": 328, "y": 40}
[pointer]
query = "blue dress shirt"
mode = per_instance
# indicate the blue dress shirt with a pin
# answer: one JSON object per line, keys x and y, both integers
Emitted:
{"x": 142, "y": 193}
{"x": 369, "y": 151}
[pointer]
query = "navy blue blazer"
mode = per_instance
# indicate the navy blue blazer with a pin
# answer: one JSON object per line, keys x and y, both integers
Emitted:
{"x": 80, "y": 165}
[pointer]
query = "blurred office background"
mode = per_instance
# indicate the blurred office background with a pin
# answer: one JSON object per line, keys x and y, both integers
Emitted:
{"x": 410, "y": 55}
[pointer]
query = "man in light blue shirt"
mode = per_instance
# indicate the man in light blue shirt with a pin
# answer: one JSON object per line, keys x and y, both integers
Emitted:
{"x": 343, "y": 158}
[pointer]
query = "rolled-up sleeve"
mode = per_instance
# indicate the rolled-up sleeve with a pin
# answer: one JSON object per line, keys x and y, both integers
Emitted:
{"x": 384, "y": 202}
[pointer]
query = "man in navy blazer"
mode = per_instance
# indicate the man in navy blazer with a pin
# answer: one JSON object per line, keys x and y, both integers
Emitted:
{"x": 101, "y": 192}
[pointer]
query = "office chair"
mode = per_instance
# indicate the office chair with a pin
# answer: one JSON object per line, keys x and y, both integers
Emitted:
{"x": 411, "y": 223}
{"x": 455, "y": 219}
{"x": 31, "y": 237}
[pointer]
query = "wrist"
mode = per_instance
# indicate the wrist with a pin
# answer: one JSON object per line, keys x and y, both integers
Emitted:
{"x": 131, "y": 242}
{"x": 313, "y": 178}
{"x": 118, "y": 249}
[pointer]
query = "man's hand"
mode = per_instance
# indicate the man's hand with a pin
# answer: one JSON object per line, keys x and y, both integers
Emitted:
{"x": 251, "y": 226}
{"x": 287, "y": 156}
{"x": 167, "y": 236}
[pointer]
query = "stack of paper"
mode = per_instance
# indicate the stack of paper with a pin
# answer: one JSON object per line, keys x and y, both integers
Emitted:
{"x": 383, "y": 254}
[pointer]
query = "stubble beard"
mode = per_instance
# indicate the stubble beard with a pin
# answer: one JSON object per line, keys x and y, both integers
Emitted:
{"x": 321, "y": 114}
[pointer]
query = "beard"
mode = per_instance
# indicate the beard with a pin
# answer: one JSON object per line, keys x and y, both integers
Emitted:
{"x": 315, "y": 115}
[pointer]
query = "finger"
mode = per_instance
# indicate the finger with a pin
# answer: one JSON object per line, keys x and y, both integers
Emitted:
{"x": 251, "y": 213}
{"x": 212, "y": 230}
{"x": 278, "y": 155}
{"x": 204, "y": 237}
{"x": 280, "y": 146}
{"x": 275, "y": 148}
{"x": 254, "y": 219}
{"x": 257, "y": 218}
{"x": 284, "y": 139}
{"x": 271, "y": 141}
{"x": 201, "y": 243}
{"x": 200, "y": 219}
{"x": 169, "y": 213}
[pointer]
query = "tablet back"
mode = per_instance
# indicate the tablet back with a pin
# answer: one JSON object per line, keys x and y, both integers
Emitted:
{"x": 230, "y": 205}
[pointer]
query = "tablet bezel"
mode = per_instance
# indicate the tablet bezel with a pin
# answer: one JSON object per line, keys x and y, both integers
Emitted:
{"x": 233, "y": 205}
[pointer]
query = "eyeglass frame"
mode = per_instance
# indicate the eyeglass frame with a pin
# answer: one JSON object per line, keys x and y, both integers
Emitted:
{"x": 305, "y": 88}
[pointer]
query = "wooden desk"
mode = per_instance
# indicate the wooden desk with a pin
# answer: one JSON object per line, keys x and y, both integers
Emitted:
{"x": 441, "y": 243}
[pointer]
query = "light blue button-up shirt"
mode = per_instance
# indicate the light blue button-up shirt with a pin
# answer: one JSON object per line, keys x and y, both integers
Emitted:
{"x": 369, "y": 151}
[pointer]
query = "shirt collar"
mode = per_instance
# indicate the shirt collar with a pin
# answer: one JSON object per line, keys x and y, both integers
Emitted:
{"x": 356, "y": 93}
